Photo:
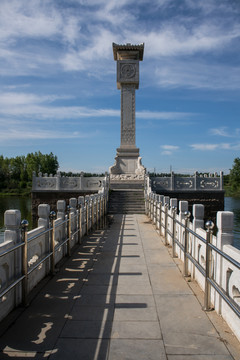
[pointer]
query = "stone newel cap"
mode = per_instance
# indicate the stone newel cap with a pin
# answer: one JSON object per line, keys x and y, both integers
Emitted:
{"x": 128, "y": 51}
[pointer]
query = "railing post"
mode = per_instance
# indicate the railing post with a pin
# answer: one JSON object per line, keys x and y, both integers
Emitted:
{"x": 157, "y": 212}
{"x": 154, "y": 209}
{"x": 69, "y": 232}
{"x": 52, "y": 246}
{"x": 24, "y": 225}
{"x": 173, "y": 230}
{"x": 97, "y": 219}
{"x": 208, "y": 257}
{"x": 105, "y": 210}
{"x": 79, "y": 222}
{"x": 93, "y": 212}
{"x": 225, "y": 223}
{"x": 148, "y": 205}
{"x": 166, "y": 222}
{"x": 160, "y": 217}
{"x": 73, "y": 207}
{"x": 186, "y": 242}
{"x": 150, "y": 210}
{"x": 87, "y": 212}
{"x": 80, "y": 217}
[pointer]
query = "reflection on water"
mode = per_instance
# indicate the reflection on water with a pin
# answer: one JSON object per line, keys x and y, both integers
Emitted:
{"x": 233, "y": 204}
{"x": 24, "y": 205}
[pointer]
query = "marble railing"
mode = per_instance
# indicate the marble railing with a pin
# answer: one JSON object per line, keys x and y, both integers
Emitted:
{"x": 45, "y": 182}
{"x": 206, "y": 182}
{"x": 210, "y": 260}
{"x": 26, "y": 257}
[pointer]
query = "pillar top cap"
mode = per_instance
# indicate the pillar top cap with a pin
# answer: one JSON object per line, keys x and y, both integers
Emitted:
{"x": 128, "y": 51}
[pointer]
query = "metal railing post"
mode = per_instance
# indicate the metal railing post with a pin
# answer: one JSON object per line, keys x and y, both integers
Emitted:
{"x": 173, "y": 230}
{"x": 69, "y": 231}
{"x": 160, "y": 217}
{"x": 97, "y": 208}
{"x": 80, "y": 223}
{"x": 166, "y": 222}
{"x": 105, "y": 210}
{"x": 154, "y": 209}
{"x": 149, "y": 205}
{"x": 24, "y": 225}
{"x": 52, "y": 244}
{"x": 207, "y": 294}
{"x": 157, "y": 212}
{"x": 87, "y": 211}
{"x": 52, "y": 217}
{"x": 187, "y": 215}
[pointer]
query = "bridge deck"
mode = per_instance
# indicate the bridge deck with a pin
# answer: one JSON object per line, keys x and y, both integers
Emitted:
{"x": 119, "y": 297}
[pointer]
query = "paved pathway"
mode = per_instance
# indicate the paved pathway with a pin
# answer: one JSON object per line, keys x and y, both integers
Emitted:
{"x": 119, "y": 297}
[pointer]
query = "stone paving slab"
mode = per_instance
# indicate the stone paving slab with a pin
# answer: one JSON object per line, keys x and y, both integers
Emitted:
{"x": 119, "y": 297}
{"x": 191, "y": 318}
{"x": 190, "y": 344}
{"x": 136, "y": 350}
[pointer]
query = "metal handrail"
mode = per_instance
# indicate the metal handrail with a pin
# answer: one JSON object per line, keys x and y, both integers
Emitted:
{"x": 151, "y": 204}
{"x": 13, "y": 248}
{"x": 91, "y": 213}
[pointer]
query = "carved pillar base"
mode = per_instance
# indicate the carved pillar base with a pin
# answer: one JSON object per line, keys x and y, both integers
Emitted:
{"x": 128, "y": 165}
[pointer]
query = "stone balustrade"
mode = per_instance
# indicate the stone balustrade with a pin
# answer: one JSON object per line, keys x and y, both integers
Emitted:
{"x": 206, "y": 182}
{"x": 45, "y": 182}
{"x": 26, "y": 257}
{"x": 188, "y": 240}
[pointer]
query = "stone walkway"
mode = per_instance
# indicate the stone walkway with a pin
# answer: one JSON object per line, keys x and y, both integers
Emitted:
{"x": 120, "y": 297}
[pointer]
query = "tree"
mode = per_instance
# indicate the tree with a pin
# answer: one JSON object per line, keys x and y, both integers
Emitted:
{"x": 16, "y": 173}
{"x": 234, "y": 176}
{"x": 44, "y": 163}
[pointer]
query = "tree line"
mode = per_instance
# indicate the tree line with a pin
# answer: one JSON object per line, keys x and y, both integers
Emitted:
{"x": 16, "y": 172}
{"x": 232, "y": 181}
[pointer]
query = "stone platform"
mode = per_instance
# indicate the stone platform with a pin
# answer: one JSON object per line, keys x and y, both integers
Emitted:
{"x": 119, "y": 297}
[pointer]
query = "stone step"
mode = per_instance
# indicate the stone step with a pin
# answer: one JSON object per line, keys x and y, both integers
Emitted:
{"x": 126, "y": 202}
{"x": 133, "y": 185}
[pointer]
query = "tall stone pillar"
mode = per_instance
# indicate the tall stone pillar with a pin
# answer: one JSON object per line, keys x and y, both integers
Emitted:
{"x": 128, "y": 162}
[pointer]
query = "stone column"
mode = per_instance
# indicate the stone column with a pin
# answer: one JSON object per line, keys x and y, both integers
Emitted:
{"x": 128, "y": 163}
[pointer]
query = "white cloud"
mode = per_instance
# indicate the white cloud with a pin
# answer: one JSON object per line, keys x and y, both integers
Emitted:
{"x": 204, "y": 147}
{"x": 19, "y": 104}
{"x": 166, "y": 152}
{"x": 161, "y": 115}
{"x": 220, "y": 131}
{"x": 40, "y": 134}
{"x": 29, "y": 19}
{"x": 192, "y": 74}
{"x": 170, "y": 147}
{"x": 212, "y": 147}
{"x": 223, "y": 131}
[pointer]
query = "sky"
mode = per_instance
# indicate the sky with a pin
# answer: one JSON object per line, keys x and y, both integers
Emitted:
{"x": 58, "y": 89}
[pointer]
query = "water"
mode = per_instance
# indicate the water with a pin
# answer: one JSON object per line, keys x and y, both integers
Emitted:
{"x": 24, "y": 205}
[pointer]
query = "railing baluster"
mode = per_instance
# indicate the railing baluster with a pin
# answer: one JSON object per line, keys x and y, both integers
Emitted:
{"x": 24, "y": 225}
{"x": 186, "y": 242}
{"x": 173, "y": 231}
{"x": 52, "y": 244}
{"x": 208, "y": 257}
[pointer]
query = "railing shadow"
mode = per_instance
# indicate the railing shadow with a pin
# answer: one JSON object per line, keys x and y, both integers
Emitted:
{"x": 72, "y": 314}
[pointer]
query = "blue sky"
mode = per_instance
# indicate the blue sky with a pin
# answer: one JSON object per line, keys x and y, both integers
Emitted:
{"x": 58, "y": 81}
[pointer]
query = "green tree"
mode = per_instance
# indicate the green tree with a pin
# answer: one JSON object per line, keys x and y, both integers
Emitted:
{"x": 16, "y": 173}
{"x": 234, "y": 176}
{"x": 48, "y": 163}
{"x": 38, "y": 162}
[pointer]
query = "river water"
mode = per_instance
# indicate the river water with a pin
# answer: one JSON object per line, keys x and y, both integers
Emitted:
{"x": 24, "y": 205}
